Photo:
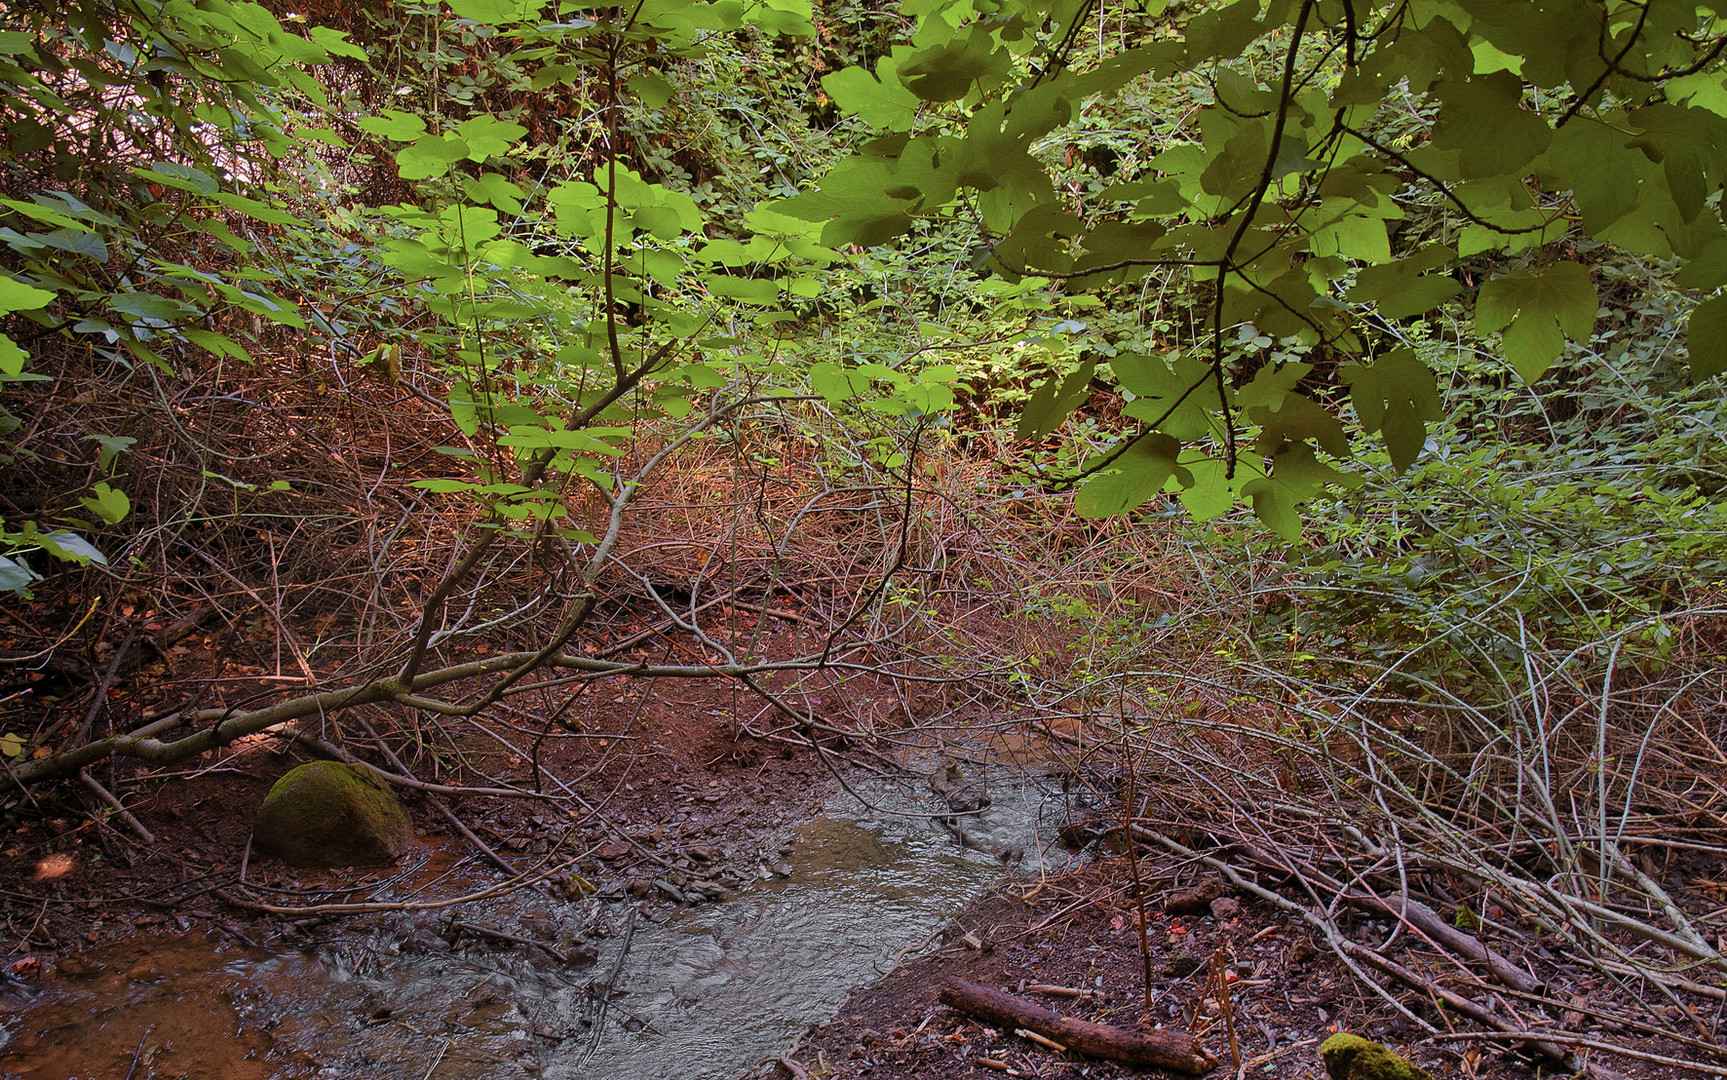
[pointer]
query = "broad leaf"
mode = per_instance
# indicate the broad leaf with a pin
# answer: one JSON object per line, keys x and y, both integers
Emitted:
{"x": 882, "y": 100}
{"x": 1537, "y": 312}
{"x": 1706, "y": 338}
{"x": 1052, "y": 402}
{"x": 17, "y": 296}
{"x": 1395, "y": 397}
{"x": 1138, "y": 476}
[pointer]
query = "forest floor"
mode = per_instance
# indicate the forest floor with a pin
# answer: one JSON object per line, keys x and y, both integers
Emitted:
{"x": 672, "y": 794}
{"x": 685, "y": 808}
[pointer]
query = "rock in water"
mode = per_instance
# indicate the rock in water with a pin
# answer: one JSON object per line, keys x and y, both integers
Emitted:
{"x": 329, "y": 814}
{"x": 962, "y": 795}
{"x": 1351, "y": 1057}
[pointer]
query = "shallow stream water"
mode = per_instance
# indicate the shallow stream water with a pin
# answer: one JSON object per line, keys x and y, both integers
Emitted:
{"x": 704, "y": 993}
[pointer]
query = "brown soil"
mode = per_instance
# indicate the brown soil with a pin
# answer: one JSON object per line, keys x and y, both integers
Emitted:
{"x": 683, "y": 808}
{"x": 1285, "y": 993}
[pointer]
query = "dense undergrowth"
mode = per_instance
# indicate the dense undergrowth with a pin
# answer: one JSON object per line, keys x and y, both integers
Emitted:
{"x": 445, "y": 363}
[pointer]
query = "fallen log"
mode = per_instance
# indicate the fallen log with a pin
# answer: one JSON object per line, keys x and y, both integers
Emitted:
{"x": 1176, "y": 1051}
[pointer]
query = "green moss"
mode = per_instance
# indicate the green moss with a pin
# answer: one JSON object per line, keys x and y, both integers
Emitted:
{"x": 326, "y": 813}
{"x": 1351, "y": 1057}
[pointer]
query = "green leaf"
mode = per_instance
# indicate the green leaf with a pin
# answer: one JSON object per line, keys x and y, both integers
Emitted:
{"x": 444, "y": 487}
{"x": 17, "y": 296}
{"x": 15, "y": 577}
{"x": 1353, "y": 236}
{"x": 487, "y": 136}
{"x": 257, "y": 210}
{"x": 110, "y": 505}
{"x": 1707, "y": 271}
{"x": 1052, "y": 402}
{"x": 70, "y": 547}
{"x": 1485, "y": 123}
{"x": 1394, "y": 397}
{"x": 1706, "y": 338}
{"x": 142, "y": 305}
{"x": 1210, "y": 492}
{"x": 11, "y": 357}
{"x": 653, "y": 90}
{"x": 1401, "y": 290}
{"x": 394, "y": 124}
{"x": 430, "y": 156}
{"x": 882, "y": 102}
{"x": 497, "y": 12}
{"x": 949, "y": 71}
{"x": 1221, "y": 33}
{"x": 217, "y": 344}
{"x": 1139, "y": 475}
{"x": 112, "y": 446}
{"x": 336, "y": 43}
{"x": 1177, "y": 400}
{"x": 835, "y": 383}
{"x": 1537, "y": 312}
{"x": 181, "y": 177}
{"x": 1296, "y": 476}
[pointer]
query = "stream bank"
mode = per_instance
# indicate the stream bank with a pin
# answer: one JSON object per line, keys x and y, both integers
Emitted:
{"x": 657, "y": 976}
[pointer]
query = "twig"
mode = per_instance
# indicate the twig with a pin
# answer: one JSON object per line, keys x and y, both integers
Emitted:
{"x": 101, "y": 696}
{"x": 438, "y": 1059}
{"x": 1582, "y": 1042}
{"x": 482, "y": 930}
{"x": 518, "y": 882}
{"x": 606, "y": 992}
{"x": 118, "y": 807}
{"x": 138, "y": 1053}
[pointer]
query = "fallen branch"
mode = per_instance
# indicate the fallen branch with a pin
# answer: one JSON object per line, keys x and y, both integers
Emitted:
{"x": 1176, "y": 1051}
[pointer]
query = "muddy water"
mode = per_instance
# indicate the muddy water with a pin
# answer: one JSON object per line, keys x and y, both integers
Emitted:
{"x": 705, "y": 993}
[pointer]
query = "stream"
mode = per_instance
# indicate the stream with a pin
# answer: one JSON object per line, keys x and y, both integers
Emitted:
{"x": 703, "y": 993}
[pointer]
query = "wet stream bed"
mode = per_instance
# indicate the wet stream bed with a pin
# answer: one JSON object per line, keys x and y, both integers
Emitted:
{"x": 703, "y": 992}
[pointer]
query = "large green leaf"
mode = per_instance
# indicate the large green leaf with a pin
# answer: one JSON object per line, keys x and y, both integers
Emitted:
{"x": 881, "y": 99}
{"x": 1706, "y": 338}
{"x": 1537, "y": 312}
{"x": 17, "y": 296}
{"x": 1052, "y": 402}
{"x": 1395, "y": 396}
{"x": 1485, "y": 122}
{"x": 143, "y": 305}
{"x": 497, "y": 12}
{"x": 950, "y": 71}
{"x": 1402, "y": 289}
{"x": 1136, "y": 477}
{"x": 1296, "y": 476}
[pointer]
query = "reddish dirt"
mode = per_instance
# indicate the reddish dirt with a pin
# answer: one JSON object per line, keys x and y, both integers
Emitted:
{"x": 681, "y": 803}
{"x": 1284, "y": 996}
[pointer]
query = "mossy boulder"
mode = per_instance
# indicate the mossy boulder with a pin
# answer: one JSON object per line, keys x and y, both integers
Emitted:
{"x": 329, "y": 814}
{"x": 1351, "y": 1057}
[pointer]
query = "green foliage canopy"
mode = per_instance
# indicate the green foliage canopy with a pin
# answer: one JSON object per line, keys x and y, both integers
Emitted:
{"x": 1349, "y": 166}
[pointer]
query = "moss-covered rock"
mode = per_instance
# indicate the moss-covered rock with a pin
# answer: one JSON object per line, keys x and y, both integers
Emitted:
{"x": 329, "y": 814}
{"x": 1351, "y": 1057}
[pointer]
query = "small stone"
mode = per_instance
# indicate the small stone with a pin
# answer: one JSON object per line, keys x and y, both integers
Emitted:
{"x": 1196, "y": 900}
{"x": 1351, "y": 1057}
{"x": 326, "y": 813}
{"x": 1181, "y": 963}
